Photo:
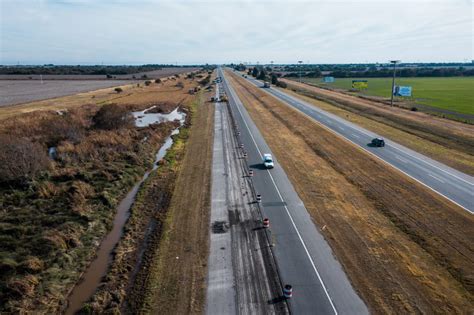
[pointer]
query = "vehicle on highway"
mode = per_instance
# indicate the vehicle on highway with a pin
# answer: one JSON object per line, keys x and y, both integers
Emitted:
{"x": 266, "y": 84}
{"x": 378, "y": 142}
{"x": 268, "y": 160}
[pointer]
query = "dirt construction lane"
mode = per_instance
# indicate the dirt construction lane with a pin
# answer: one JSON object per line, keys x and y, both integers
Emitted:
{"x": 242, "y": 277}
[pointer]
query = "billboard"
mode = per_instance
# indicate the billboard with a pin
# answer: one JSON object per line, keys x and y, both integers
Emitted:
{"x": 360, "y": 84}
{"x": 328, "y": 79}
{"x": 402, "y": 91}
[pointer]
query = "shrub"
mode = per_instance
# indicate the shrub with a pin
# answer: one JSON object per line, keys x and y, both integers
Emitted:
{"x": 158, "y": 81}
{"x": 205, "y": 81}
{"x": 180, "y": 85}
{"x": 414, "y": 109}
{"x": 118, "y": 90}
{"x": 147, "y": 82}
{"x": 21, "y": 160}
{"x": 112, "y": 116}
{"x": 281, "y": 84}
{"x": 61, "y": 128}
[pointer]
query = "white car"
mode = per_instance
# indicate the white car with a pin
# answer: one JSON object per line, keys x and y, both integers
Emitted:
{"x": 268, "y": 160}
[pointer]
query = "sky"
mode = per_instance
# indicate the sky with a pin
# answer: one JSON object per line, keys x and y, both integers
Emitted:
{"x": 223, "y": 31}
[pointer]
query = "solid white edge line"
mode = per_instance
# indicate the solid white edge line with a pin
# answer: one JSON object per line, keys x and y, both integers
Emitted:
{"x": 338, "y": 134}
{"x": 287, "y": 211}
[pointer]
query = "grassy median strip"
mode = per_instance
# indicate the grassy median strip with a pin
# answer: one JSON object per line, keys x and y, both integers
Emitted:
{"x": 405, "y": 248}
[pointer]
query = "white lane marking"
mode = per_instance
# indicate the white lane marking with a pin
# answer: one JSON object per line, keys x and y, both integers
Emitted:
{"x": 436, "y": 177}
{"x": 355, "y": 136}
{"x": 286, "y": 208}
{"x": 400, "y": 158}
{"x": 311, "y": 107}
{"x": 341, "y": 128}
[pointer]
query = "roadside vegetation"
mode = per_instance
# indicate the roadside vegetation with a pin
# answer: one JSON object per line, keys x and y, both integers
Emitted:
{"x": 62, "y": 173}
{"x": 78, "y": 70}
{"x": 405, "y": 248}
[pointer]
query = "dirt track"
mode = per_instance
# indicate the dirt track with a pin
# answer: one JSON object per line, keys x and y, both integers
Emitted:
{"x": 405, "y": 248}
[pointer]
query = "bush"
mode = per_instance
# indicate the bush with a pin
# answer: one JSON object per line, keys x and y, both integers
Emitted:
{"x": 112, "y": 116}
{"x": 158, "y": 81}
{"x": 205, "y": 81}
{"x": 180, "y": 85}
{"x": 414, "y": 109}
{"x": 61, "y": 128}
{"x": 281, "y": 84}
{"x": 147, "y": 82}
{"x": 21, "y": 160}
{"x": 118, "y": 90}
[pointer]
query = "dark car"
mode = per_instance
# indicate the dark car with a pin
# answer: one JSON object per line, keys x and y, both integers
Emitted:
{"x": 378, "y": 142}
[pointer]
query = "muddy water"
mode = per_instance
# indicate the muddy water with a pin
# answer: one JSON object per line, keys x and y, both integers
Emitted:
{"x": 98, "y": 268}
{"x": 144, "y": 119}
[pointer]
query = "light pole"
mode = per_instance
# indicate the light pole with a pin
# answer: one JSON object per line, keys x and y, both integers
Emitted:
{"x": 299, "y": 72}
{"x": 394, "y": 62}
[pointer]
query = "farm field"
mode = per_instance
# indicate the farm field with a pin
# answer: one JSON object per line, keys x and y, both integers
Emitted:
{"x": 164, "y": 72}
{"x": 23, "y": 91}
{"x": 18, "y": 89}
{"x": 453, "y": 94}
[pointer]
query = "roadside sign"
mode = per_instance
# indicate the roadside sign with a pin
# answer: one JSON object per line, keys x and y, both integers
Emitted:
{"x": 360, "y": 84}
{"x": 402, "y": 91}
{"x": 328, "y": 79}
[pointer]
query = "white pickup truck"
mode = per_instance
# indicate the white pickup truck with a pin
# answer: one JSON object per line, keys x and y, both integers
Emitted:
{"x": 268, "y": 160}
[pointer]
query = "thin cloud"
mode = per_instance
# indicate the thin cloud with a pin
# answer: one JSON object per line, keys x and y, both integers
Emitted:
{"x": 217, "y": 31}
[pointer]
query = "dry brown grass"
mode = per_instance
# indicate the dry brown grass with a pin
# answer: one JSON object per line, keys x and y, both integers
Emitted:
{"x": 405, "y": 249}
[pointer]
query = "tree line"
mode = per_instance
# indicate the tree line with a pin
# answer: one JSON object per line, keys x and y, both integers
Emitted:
{"x": 84, "y": 70}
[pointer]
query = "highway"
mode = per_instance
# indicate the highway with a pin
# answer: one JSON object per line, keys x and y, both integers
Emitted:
{"x": 444, "y": 180}
{"x": 242, "y": 275}
{"x": 303, "y": 257}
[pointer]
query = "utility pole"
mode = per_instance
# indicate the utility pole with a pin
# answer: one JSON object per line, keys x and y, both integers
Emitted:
{"x": 394, "y": 62}
{"x": 299, "y": 72}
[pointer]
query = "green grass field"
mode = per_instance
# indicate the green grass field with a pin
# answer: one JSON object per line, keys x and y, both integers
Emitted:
{"x": 454, "y": 94}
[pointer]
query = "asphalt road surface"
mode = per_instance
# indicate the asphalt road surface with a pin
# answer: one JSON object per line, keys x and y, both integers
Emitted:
{"x": 303, "y": 257}
{"x": 446, "y": 181}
